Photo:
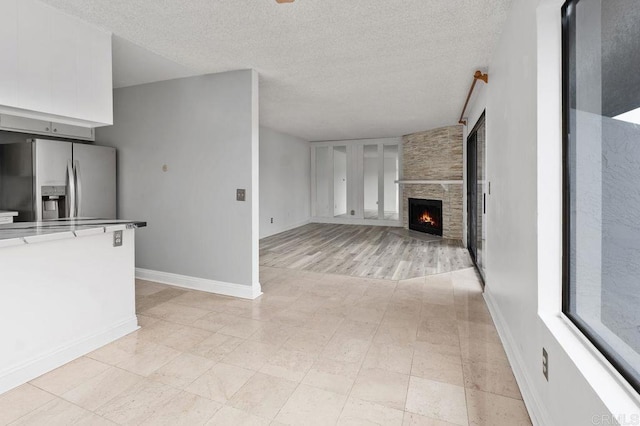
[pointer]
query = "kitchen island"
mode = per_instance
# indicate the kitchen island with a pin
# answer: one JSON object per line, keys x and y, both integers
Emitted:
{"x": 67, "y": 287}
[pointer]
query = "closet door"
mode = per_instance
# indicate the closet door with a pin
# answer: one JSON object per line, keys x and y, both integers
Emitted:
{"x": 390, "y": 189}
{"x": 355, "y": 181}
{"x": 372, "y": 200}
{"x": 340, "y": 182}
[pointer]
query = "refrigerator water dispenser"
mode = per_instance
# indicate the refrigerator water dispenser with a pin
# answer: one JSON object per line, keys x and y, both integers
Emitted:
{"x": 54, "y": 204}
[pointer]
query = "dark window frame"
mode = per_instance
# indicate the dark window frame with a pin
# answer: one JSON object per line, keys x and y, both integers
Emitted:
{"x": 568, "y": 41}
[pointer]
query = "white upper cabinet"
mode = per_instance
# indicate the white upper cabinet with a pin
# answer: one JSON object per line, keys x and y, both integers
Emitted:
{"x": 64, "y": 72}
{"x": 54, "y": 66}
{"x": 95, "y": 72}
{"x": 9, "y": 52}
{"x": 35, "y": 63}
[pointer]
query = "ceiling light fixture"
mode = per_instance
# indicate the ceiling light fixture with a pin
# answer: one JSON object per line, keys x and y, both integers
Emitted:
{"x": 284, "y": 1}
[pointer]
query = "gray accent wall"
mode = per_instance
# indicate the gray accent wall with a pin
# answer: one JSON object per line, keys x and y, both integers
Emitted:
{"x": 285, "y": 182}
{"x": 205, "y": 131}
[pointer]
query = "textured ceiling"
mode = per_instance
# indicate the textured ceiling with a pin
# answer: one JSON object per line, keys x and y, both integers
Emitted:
{"x": 329, "y": 69}
{"x": 134, "y": 65}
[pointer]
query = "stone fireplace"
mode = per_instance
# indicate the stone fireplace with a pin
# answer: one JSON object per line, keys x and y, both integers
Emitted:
{"x": 432, "y": 171}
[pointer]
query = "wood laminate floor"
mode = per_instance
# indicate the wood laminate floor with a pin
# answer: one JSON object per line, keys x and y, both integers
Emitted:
{"x": 362, "y": 251}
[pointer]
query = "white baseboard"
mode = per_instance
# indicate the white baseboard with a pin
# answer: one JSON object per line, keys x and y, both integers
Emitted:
{"x": 37, "y": 366}
{"x": 537, "y": 410}
{"x": 201, "y": 284}
{"x": 284, "y": 228}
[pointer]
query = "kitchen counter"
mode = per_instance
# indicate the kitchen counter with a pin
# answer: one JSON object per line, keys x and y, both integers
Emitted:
{"x": 33, "y": 232}
{"x": 67, "y": 288}
{"x": 7, "y": 216}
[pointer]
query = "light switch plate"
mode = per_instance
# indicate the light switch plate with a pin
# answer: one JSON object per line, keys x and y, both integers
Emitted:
{"x": 117, "y": 238}
{"x": 240, "y": 194}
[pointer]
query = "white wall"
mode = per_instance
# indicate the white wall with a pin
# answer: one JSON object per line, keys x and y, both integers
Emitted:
{"x": 523, "y": 271}
{"x": 322, "y": 181}
{"x": 205, "y": 130}
{"x": 285, "y": 182}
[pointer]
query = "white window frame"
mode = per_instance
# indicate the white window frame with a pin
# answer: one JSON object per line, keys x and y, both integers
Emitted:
{"x": 615, "y": 392}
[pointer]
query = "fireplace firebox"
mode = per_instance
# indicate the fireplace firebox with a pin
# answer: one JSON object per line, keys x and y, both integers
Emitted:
{"x": 425, "y": 216}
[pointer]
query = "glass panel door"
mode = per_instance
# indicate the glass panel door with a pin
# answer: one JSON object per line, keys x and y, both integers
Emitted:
{"x": 472, "y": 195}
{"x": 477, "y": 195}
{"x": 391, "y": 189}
{"x": 356, "y": 181}
{"x": 340, "y": 181}
{"x": 481, "y": 199}
{"x": 371, "y": 181}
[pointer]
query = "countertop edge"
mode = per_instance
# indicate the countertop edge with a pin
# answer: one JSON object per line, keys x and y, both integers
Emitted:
{"x": 22, "y": 233}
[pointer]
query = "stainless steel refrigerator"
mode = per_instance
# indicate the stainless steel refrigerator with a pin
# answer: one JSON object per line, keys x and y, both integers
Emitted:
{"x": 46, "y": 179}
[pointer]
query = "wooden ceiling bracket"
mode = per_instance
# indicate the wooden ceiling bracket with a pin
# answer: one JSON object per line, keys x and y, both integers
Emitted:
{"x": 479, "y": 75}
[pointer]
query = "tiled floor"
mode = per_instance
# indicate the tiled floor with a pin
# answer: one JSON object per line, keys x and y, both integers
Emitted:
{"x": 314, "y": 349}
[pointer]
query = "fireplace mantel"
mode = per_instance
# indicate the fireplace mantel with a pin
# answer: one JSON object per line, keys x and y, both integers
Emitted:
{"x": 444, "y": 183}
{"x": 436, "y": 182}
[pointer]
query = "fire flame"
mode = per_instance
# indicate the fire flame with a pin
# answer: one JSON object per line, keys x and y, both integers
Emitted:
{"x": 426, "y": 218}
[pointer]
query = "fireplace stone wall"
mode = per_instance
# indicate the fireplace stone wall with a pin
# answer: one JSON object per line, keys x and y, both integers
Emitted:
{"x": 435, "y": 155}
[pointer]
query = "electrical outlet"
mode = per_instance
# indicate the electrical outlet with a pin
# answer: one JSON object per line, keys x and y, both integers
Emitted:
{"x": 545, "y": 364}
{"x": 117, "y": 239}
{"x": 240, "y": 194}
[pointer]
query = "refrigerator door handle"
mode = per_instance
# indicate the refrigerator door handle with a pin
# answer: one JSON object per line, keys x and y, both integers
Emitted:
{"x": 76, "y": 168}
{"x": 71, "y": 196}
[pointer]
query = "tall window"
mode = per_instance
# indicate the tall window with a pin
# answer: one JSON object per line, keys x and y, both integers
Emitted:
{"x": 601, "y": 90}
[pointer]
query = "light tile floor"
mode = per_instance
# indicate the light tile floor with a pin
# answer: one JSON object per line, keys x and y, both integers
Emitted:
{"x": 314, "y": 349}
